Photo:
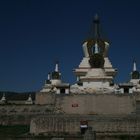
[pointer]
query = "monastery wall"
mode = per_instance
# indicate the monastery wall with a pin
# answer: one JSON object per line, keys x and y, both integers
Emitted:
{"x": 21, "y": 114}
{"x": 71, "y": 124}
{"x": 18, "y": 119}
{"x": 44, "y": 98}
{"x": 97, "y": 104}
{"x": 24, "y": 109}
{"x": 91, "y": 103}
{"x": 70, "y": 104}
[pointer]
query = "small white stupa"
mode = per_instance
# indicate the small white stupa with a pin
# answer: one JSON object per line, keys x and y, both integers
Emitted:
{"x": 3, "y": 99}
{"x": 135, "y": 75}
{"x": 29, "y": 101}
{"x": 133, "y": 86}
{"x": 135, "y": 78}
{"x": 54, "y": 83}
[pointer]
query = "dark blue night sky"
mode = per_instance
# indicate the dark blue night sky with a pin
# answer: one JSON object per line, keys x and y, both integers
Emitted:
{"x": 36, "y": 33}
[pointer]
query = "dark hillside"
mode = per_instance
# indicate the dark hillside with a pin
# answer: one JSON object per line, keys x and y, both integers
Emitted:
{"x": 17, "y": 96}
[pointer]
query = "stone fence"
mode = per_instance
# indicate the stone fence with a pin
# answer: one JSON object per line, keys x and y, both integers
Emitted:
{"x": 22, "y": 114}
{"x": 25, "y": 109}
{"x": 121, "y": 124}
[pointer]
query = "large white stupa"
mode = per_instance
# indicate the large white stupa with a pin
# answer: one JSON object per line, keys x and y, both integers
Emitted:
{"x": 95, "y": 72}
